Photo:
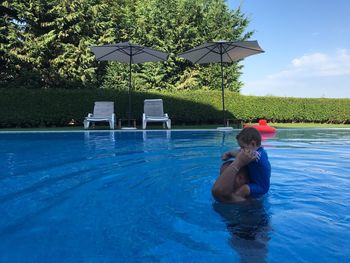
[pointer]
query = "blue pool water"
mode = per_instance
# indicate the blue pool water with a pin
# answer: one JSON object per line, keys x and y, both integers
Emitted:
{"x": 145, "y": 197}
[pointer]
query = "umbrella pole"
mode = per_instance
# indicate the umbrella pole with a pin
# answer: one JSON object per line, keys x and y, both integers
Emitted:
{"x": 222, "y": 89}
{"x": 129, "y": 91}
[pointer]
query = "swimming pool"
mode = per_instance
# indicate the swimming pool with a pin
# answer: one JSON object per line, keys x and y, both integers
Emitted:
{"x": 145, "y": 197}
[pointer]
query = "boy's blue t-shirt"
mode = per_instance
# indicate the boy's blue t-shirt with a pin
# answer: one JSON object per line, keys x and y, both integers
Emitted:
{"x": 259, "y": 172}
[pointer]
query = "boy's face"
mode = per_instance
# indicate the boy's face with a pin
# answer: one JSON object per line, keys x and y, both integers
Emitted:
{"x": 249, "y": 146}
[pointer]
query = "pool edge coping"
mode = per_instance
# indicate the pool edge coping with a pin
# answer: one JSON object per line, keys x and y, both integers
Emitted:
{"x": 162, "y": 130}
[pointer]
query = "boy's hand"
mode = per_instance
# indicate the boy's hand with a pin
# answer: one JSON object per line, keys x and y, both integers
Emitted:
{"x": 229, "y": 154}
{"x": 226, "y": 156}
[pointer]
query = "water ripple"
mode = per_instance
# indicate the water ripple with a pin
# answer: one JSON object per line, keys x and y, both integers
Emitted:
{"x": 147, "y": 196}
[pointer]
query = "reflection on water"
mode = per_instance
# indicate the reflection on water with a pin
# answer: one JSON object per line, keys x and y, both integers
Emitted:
{"x": 267, "y": 135}
{"x": 95, "y": 136}
{"x": 249, "y": 227}
{"x": 156, "y": 135}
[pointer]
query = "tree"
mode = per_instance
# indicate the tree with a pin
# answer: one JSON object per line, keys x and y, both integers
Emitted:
{"x": 8, "y": 41}
{"x": 45, "y": 43}
{"x": 52, "y": 40}
{"x": 175, "y": 26}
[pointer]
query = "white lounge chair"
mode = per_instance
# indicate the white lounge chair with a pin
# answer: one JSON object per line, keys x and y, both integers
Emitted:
{"x": 153, "y": 112}
{"x": 103, "y": 111}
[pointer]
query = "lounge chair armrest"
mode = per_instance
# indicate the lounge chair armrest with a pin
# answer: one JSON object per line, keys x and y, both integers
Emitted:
{"x": 90, "y": 115}
{"x": 166, "y": 115}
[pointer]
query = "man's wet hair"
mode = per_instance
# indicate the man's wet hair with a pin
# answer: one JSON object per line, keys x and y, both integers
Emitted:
{"x": 249, "y": 134}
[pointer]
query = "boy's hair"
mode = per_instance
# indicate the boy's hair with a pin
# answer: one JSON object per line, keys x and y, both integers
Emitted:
{"x": 249, "y": 134}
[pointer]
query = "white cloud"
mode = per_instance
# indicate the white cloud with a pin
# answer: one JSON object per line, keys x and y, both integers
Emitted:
{"x": 320, "y": 64}
{"x": 311, "y": 75}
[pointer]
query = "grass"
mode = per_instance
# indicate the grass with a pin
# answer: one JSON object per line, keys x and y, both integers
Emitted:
{"x": 308, "y": 125}
{"x": 208, "y": 126}
{"x": 276, "y": 125}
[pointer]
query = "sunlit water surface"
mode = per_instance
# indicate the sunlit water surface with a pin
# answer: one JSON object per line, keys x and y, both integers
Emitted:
{"x": 145, "y": 197}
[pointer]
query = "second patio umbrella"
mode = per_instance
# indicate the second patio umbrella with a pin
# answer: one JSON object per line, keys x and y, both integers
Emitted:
{"x": 127, "y": 52}
{"x": 222, "y": 52}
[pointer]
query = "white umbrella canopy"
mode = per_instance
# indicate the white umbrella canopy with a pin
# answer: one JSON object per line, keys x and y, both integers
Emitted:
{"x": 126, "y": 52}
{"x": 222, "y": 52}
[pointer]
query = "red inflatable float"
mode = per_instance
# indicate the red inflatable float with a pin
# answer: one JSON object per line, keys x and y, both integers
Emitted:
{"x": 262, "y": 127}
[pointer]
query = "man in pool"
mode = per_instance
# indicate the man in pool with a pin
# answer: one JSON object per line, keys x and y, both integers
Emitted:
{"x": 232, "y": 185}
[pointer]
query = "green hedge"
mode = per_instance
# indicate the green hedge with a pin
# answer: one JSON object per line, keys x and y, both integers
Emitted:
{"x": 52, "y": 107}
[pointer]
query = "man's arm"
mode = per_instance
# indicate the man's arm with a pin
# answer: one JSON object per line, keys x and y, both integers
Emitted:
{"x": 223, "y": 189}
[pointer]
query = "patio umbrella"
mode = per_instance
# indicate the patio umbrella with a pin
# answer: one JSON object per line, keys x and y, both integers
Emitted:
{"x": 222, "y": 52}
{"x": 127, "y": 52}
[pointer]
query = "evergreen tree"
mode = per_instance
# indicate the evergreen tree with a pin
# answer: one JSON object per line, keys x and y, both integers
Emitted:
{"x": 175, "y": 26}
{"x": 45, "y": 43}
{"x": 52, "y": 40}
{"x": 8, "y": 41}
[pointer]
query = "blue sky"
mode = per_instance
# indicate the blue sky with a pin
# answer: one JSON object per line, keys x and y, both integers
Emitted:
{"x": 307, "y": 48}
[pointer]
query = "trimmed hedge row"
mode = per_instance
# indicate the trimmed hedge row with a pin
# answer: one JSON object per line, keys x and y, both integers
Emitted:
{"x": 44, "y": 108}
{"x": 280, "y": 109}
